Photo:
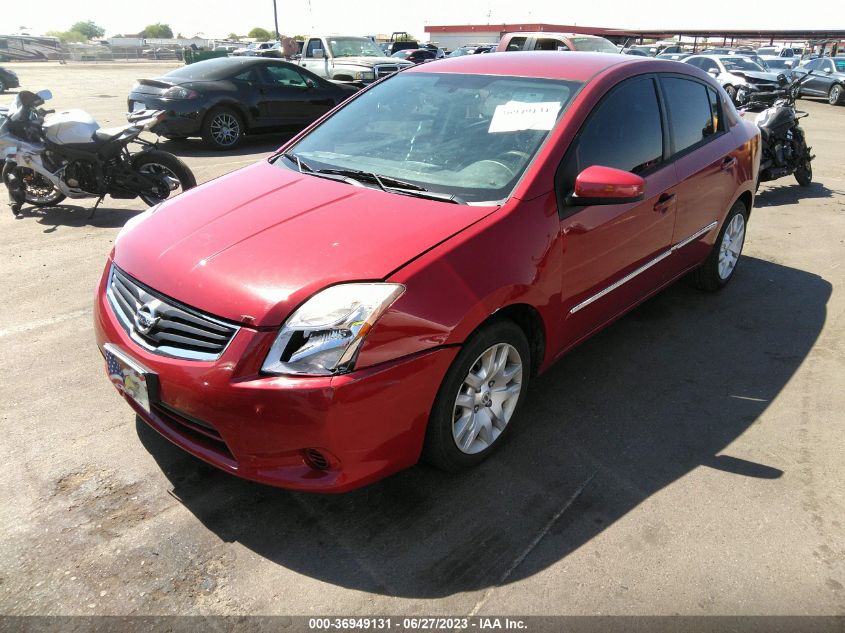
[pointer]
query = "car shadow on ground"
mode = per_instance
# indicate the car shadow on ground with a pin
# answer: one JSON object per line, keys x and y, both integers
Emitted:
{"x": 662, "y": 392}
{"x": 72, "y": 215}
{"x": 791, "y": 193}
{"x": 250, "y": 145}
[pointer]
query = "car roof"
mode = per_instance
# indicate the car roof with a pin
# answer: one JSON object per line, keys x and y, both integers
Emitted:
{"x": 573, "y": 66}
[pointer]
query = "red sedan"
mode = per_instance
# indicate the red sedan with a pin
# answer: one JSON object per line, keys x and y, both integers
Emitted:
{"x": 386, "y": 285}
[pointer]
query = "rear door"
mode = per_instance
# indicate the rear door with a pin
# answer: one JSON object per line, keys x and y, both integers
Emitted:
{"x": 705, "y": 156}
{"x": 613, "y": 255}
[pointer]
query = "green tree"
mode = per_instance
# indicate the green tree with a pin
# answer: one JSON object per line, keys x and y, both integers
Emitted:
{"x": 157, "y": 30}
{"x": 88, "y": 29}
{"x": 260, "y": 34}
{"x": 233, "y": 36}
{"x": 68, "y": 37}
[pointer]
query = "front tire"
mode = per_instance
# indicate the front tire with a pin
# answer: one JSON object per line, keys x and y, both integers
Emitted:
{"x": 222, "y": 129}
{"x": 719, "y": 267}
{"x": 39, "y": 191}
{"x": 836, "y": 96}
{"x": 480, "y": 396}
{"x": 804, "y": 173}
{"x": 2, "y": 86}
{"x": 731, "y": 93}
{"x": 172, "y": 175}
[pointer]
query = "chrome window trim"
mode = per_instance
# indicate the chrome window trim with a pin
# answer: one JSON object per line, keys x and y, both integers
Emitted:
{"x": 700, "y": 233}
{"x": 165, "y": 350}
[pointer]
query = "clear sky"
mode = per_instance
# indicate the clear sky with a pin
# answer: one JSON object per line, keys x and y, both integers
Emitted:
{"x": 217, "y": 18}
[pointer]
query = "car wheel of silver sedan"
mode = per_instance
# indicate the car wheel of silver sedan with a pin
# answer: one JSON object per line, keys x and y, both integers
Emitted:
{"x": 479, "y": 397}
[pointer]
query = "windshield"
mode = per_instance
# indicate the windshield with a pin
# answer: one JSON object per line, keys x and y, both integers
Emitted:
{"x": 740, "y": 63}
{"x": 470, "y": 136}
{"x": 354, "y": 47}
{"x": 595, "y": 44}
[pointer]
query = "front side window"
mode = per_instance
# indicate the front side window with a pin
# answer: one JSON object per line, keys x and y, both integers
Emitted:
{"x": 470, "y": 136}
{"x": 283, "y": 76}
{"x": 313, "y": 45}
{"x": 691, "y": 117}
{"x": 624, "y": 132}
{"x": 548, "y": 44}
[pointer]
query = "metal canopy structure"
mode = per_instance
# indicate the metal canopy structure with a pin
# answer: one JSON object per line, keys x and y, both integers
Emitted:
{"x": 770, "y": 35}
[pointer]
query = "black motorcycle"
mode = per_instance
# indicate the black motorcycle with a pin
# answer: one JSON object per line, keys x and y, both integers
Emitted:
{"x": 784, "y": 144}
{"x": 49, "y": 156}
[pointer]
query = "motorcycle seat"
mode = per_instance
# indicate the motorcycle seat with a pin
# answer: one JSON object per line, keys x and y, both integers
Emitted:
{"x": 106, "y": 134}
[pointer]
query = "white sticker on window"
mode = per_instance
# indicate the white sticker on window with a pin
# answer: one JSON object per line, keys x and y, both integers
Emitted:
{"x": 514, "y": 116}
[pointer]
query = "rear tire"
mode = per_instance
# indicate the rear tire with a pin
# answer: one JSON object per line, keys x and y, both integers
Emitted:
{"x": 836, "y": 96}
{"x": 163, "y": 165}
{"x": 479, "y": 416}
{"x": 222, "y": 129}
{"x": 719, "y": 267}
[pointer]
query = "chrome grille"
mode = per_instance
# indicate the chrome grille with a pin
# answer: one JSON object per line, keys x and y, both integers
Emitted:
{"x": 160, "y": 325}
{"x": 384, "y": 70}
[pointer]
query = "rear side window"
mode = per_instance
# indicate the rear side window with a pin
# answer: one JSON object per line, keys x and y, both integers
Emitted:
{"x": 690, "y": 113}
{"x": 516, "y": 44}
{"x": 624, "y": 132}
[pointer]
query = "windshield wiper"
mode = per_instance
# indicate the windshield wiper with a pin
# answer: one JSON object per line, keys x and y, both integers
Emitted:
{"x": 385, "y": 183}
{"x": 393, "y": 185}
{"x": 380, "y": 180}
{"x": 300, "y": 164}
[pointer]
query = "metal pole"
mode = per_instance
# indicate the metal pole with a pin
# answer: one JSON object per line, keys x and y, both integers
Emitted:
{"x": 276, "y": 20}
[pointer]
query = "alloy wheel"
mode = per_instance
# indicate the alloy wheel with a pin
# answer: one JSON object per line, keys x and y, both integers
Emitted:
{"x": 225, "y": 129}
{"x": 487, "y": 398}
{"x": 731, "y": 246}
{"x": 835, "y": 95}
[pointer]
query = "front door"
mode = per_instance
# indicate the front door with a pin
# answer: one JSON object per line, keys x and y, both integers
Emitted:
{"x": 615, "y": 254}
{"x": 705, "y": 157}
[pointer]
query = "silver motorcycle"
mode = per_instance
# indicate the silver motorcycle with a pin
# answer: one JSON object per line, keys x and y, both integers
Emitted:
{"x": 48, "y": 156}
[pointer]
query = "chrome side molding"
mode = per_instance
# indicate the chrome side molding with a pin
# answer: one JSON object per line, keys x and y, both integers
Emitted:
{"x": 699, "y": 233}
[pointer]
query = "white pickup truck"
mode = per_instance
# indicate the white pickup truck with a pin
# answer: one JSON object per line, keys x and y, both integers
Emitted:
{"x": 348, "y": 58}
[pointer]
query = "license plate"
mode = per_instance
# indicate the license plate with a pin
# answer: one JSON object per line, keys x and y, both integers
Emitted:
{"x": 137, "y": 106}
{"x": 130, "y": 378}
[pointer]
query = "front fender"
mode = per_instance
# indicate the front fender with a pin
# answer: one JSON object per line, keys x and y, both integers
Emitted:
{"x": 510, "y": 257}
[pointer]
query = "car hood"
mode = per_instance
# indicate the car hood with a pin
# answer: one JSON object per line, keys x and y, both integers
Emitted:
{"x": 756, "y": 75}
{"x": 258, "y": 242}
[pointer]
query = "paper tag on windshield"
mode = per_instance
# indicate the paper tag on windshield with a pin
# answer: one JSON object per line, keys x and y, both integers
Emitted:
{"x": 514, "y": 116}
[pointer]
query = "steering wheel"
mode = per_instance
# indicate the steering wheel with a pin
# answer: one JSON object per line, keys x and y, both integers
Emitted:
{"x": 514, "y": 154}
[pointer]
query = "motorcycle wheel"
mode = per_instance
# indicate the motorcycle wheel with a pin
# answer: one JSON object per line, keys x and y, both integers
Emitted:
{"x": 804, "y": 174}
{"x": 173, "y": 175}
{"x": 40, "y": 192}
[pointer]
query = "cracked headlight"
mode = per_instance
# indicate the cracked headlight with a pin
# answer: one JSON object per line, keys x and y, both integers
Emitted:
{"x": 323, "y": 335}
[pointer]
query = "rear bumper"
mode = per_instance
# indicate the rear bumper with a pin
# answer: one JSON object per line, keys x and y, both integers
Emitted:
{"x": 184, "y": 118}
{"x": 368, "y": 424}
